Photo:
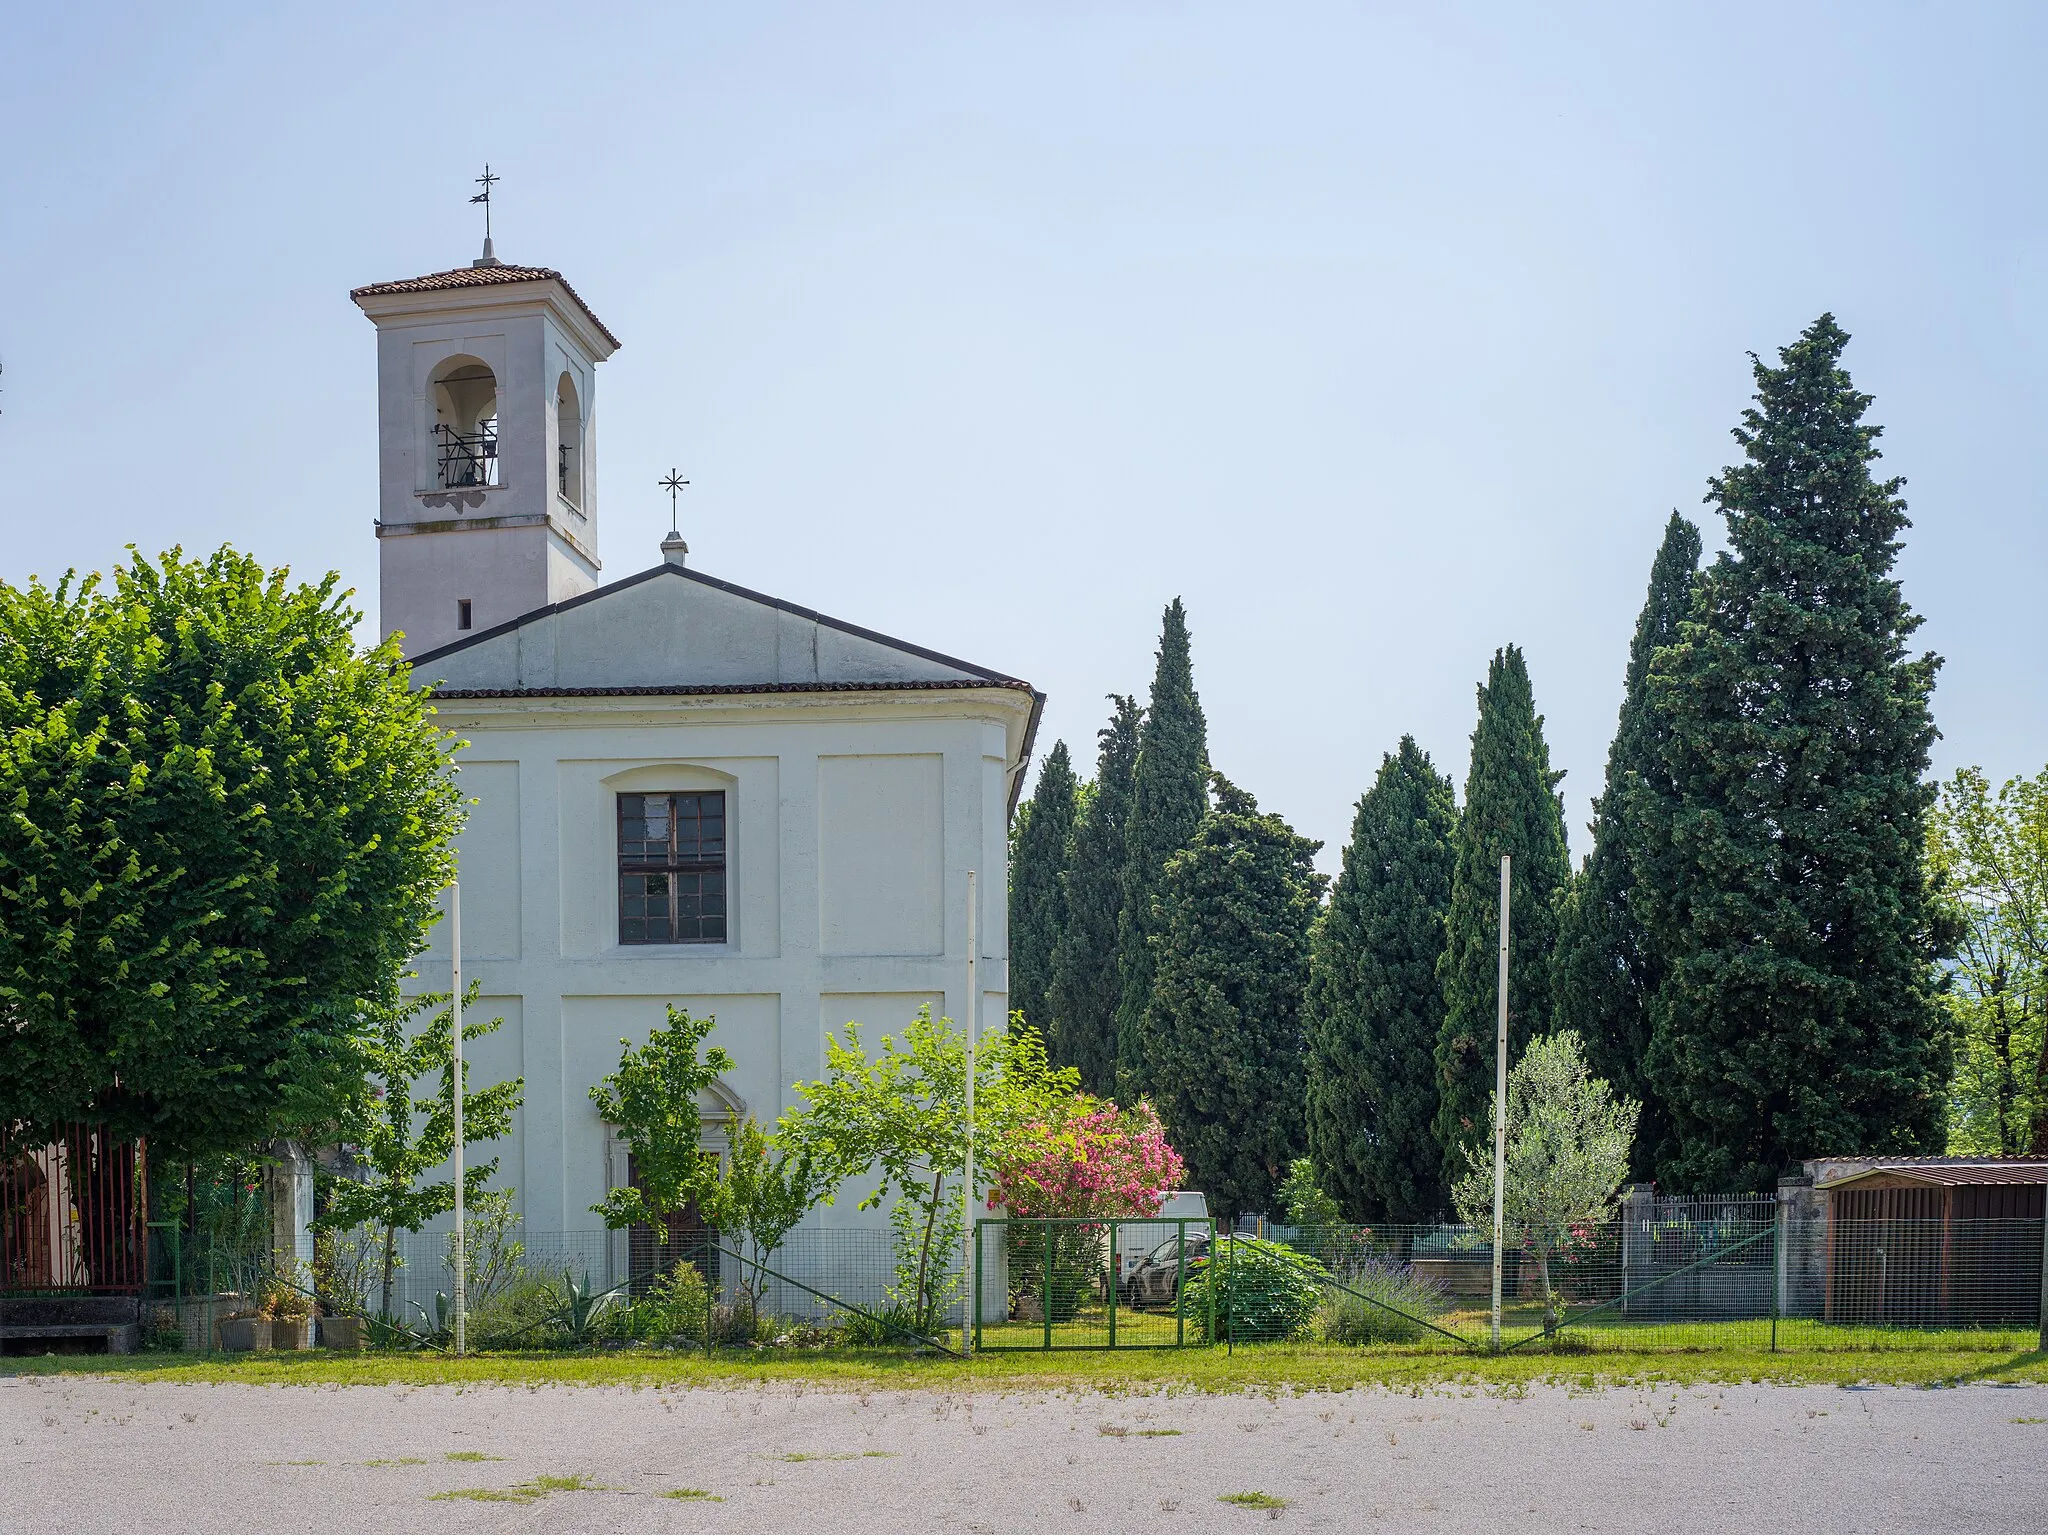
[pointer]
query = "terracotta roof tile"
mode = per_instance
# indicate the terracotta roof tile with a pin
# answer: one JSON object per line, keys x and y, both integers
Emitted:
{"x": 480, "y": 277}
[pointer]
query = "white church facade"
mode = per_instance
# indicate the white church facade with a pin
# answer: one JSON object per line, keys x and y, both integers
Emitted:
{"x": 685, "y": 791}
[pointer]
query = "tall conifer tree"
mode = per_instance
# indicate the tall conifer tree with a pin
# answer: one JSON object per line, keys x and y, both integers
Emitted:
{"x": 1087, "y": 985}
{"x": 1780, "y": 863}
{"x": 1044, "y": 845}
{"x": 1374, "y": 1003}
{"x": 1235, "y": 907}
{"x": 1169, "y": 798}
{"x": 1511, "y": 806}
{"x": 1606, "y": 969}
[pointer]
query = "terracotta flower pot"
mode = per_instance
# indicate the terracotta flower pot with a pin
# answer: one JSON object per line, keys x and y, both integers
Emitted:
{"x": 291, "y": 1333}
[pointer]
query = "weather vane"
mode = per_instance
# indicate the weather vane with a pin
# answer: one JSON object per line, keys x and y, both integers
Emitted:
{"x": 489, "y": 257}
{"x": 674, "y": 486}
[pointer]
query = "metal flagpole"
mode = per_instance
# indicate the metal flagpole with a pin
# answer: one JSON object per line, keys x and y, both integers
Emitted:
{"x": 455, "y": 1029}
{"x": 967, "y": 1191}
{"x": 1500, "y": 1100}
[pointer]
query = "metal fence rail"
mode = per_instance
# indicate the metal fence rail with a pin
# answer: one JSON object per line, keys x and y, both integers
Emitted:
{"x": 73, "y": 1214}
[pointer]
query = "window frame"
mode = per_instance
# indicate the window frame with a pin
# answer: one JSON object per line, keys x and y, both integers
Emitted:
{"x": 676, "y": 865}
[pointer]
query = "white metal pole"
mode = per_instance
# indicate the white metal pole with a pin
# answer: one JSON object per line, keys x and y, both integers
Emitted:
{"x": 967, "y": 1191}
{"x": 1500, "y": 1100}
{"x": 455, "y": 1030}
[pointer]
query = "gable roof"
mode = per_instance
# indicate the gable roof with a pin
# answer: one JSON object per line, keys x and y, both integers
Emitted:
{"x": 672, "y": 631}
{"x": 480, "y": 277}
{"x": 472, "y": 656}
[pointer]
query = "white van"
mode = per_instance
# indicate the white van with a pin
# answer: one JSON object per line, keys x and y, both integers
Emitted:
{"x": 1135, "y": 1239}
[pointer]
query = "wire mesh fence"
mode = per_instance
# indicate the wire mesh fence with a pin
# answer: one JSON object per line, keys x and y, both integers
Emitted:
{"x": 1687, "y": 1275}
{"x": 1722, "y": 1274}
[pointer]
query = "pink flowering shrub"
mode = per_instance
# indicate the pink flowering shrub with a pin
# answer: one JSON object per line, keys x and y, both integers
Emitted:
{"x": 1092, "y": 1159}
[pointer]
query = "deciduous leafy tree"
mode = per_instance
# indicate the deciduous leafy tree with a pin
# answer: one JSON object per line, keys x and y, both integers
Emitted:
{"x": 1987, "y": 855}
{"x": 902, "y": 1113}
{"x": 652, "y": 1102}
{"x": 1606, "y": 969}
{"x": 222, "y": 832}
{"x": 765, "y": 1188}
{"x": 1169, "y": 797}
{"x": 1567, "y": 1153}
{"x": 1375, "y": 1005}
{"x": 1087, "y": 986}
{"x": 1780, "y": 851}
{"x": 1235, "y": 908}
{"x": 401, "y": 1136}
{"x": 1044, "y": 848}
{"x": 1511, "y": 806}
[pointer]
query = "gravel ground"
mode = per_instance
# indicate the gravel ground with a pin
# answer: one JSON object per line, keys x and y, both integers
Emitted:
{"x": 84, "y": 1455}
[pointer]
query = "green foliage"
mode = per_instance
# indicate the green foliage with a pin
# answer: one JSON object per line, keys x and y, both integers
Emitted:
{"x": 903, "y": 1112}
{"x": 1235, "y": 909}
{"x": 222, "y": 832}
{"x": 674, "y": 1309}
{"x": 1511, "y": 806}
{"x": 765, "y": 1189}
{"x": 1376, "y": 1300}
{"x": 1779, "y": 848}
{"x": 402, "y": 1137}
{"x": 1044, "y": 846}
{"x": 1302, "y": 1196}
{"x": 1567, "y": 1153}
{"x": 1605, "y": 969}
{"x": 651, "y": 1100}
{"x": 1169, "y": 797}
{"x": 1988, "y": 857}
{"x": 1375, "y": 1005}
{"x": 1263, "y": 1292}
{"x": 1087, "y": 985}
{"x": 585, "y": 1312}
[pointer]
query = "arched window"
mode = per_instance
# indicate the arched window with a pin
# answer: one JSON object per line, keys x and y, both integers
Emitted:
{"x": 465, "y": 396}
{"x": 568, "y": 442}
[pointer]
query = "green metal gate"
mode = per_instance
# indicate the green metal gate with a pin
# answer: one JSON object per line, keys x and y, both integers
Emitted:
{"x": 1081, "y": 1284}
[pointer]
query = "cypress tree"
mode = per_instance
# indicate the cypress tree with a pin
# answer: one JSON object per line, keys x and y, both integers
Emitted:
{"x": 1374, "y": 1003}
{"x": 1511, "y": 806}
{"x": 1043, "y": 845}
{"x": 1168, "y": 800}
{"x": 1087, "y": 986}
{"x": 1780, "y": 864}
{"x": 1235, "y": 907}
{"x": 1606, "y": 969}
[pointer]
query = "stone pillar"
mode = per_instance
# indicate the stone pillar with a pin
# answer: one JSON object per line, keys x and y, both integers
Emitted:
{"x": 1802, "y": 1242}
{"x": 288, "y": 1187}
{"x": 1638, "y": 1208}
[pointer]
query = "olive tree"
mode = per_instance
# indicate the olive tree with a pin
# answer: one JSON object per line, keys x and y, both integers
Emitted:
{"x": 1567, "y": 1154}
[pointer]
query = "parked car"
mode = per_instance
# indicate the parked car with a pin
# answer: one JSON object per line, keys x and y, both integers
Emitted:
{"x": 1135, "y": 1241}
{"x": 1157, "y": 1279}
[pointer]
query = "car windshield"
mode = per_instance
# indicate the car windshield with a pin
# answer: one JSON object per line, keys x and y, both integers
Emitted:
{"x": 1165, "y": 1252}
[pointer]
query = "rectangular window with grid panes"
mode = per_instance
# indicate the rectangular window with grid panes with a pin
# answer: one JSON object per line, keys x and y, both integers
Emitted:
{"x": 672, "y": 867}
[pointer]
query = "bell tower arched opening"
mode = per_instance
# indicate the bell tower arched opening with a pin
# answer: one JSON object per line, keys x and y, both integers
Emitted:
{"x": 465, "y": 426}
{"x": 568, "y": 442}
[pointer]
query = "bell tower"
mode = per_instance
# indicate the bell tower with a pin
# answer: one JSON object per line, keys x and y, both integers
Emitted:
{"x": 486, "y": 447}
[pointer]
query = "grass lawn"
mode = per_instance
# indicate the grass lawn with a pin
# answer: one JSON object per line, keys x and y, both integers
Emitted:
{"x": 1920, "y": 1359}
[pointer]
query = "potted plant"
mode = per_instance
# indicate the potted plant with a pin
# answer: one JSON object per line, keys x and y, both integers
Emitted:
{"x": 345, "y": 1332}
{"x": 290, "y": 1313}
{"x": 245, "y": 1330}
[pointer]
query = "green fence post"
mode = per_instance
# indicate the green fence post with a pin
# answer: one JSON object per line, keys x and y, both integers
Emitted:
{"x": 974, "y": 1294}
{"x": 1777, "y": 1271}
{"x": 1045, "y": 1286}
{"x": 1112, "y": 1284}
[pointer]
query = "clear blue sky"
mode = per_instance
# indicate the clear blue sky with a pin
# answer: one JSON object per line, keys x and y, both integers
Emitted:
{"x": 1382, "y": 335}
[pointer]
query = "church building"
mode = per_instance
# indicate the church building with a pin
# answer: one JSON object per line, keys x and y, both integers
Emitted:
{"x": 685, "y": 791}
